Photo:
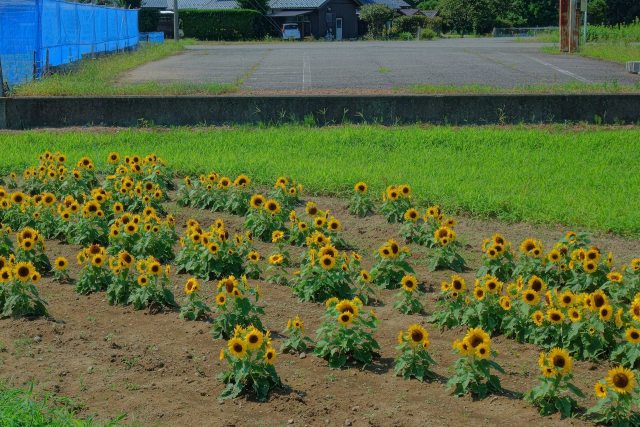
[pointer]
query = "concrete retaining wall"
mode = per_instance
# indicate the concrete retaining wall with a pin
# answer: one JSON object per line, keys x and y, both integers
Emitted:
{"x": 25, "y": 113}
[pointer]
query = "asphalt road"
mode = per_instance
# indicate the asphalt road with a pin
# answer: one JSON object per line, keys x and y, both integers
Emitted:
{"x": 377, "y": 65}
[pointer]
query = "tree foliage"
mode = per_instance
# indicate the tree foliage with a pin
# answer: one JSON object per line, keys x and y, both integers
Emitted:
{"x": 376, "y": 16}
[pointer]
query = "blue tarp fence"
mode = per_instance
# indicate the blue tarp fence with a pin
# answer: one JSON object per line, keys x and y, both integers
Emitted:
{"x": 36, "y": 34}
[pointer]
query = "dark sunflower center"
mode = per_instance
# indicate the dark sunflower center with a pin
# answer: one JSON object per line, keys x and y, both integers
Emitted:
{"x": 598, "y": 300}
{"x": 555, "y": 317}
{"x": 536, "y": 285}
{"x": 559, "y": 361}
{"x": 620, "y": 380}
{"x": 417, "y": 336}
{"x": 475, "y": 341}
{"x": 635, "y": 335}
{"x": 345, "y": 317}
{"x": 23, "y": 271}
{"x": 253, "y": 339}
{"x": 237, "y": 348}
{"x": 530, "y": 297}
{"x": 457, "y": 285}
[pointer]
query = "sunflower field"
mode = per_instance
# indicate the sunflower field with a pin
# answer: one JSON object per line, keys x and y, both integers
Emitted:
{"x": 273, "y": 284}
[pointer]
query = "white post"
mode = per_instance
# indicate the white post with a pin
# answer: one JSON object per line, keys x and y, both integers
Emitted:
{"x": 585, "y": 25}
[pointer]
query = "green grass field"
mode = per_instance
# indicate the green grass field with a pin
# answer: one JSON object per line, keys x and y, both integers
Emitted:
{"x": 19, "y": 408}
{"x": 585, "y": 177}
{"x": 99, "y": 77}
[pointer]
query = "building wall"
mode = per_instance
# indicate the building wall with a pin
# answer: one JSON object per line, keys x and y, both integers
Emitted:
{"x": 345, "y": 9}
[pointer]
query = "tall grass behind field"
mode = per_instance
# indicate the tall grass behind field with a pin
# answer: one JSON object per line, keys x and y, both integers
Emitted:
{"x": 584, "y": 177}
{"x": 622, "y": 33}
{"x": 98, "y": 77}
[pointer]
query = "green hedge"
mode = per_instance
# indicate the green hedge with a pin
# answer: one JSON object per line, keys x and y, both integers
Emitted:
{"x": 233, "y": 24}
{"x": 148, "y": 20}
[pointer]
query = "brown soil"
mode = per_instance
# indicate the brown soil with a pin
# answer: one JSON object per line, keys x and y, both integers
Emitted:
{"x": 160, "y": 370}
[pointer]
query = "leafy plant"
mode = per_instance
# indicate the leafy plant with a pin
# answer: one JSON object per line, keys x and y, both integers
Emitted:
{"x": 346, "y": 333}
{"x": 414, "y": 360}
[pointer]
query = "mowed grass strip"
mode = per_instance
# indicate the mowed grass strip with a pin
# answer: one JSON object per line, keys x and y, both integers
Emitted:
{"x": 584, "y": 177}
{"x": 99, "y": 76}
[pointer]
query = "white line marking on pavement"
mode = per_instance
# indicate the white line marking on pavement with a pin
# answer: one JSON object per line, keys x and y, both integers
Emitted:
{"x": 560, "y": 70}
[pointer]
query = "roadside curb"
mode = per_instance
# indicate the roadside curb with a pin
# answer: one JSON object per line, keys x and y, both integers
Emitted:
{"x": 136, "y": 111}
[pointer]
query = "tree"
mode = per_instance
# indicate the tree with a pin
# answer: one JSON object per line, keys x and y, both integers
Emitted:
{"x": 597, "y": 13}
{"x": 428, "y": 5}
{"x": 376, "y": 16}
{"x": 478, "y": 16}
{"x": 261, "y": 6}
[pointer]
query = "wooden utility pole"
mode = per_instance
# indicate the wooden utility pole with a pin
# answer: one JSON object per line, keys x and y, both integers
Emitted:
{"x": 176, "y": 21}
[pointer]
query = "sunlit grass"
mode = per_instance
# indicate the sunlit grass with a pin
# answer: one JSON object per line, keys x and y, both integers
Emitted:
{"x": 578, "y": 176}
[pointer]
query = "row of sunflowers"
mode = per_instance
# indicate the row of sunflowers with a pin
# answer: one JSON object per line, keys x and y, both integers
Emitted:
{"x": 572, "y": 301}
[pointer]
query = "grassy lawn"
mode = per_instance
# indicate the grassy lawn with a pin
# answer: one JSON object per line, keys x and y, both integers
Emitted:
{"x": 19, "y": 408}
{"x": 98, "y": 77}
{"x": 578, "y": 176}
{"x": 615, "y": 51}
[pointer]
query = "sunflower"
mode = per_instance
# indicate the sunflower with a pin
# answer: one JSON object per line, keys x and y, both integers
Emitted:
{"x": 242, "y": 181}
{"x": 555, "y": 316}
{"x": 614, "y": 276}
{"x": 505, "y": 303}
{"x": 191, "y": 286}
{"x": 365, "y": 276}
{"x": 566, "y": 299}
{"x": 254, "y": 339}
{"x": 531, "y": 297}
{"x": 479, "y": 293}
{"x": 143, "y": 280}
{"x": 257, "y": 201}
{"x": 590, "y": 266}
{"x": 113, "y": 158}
{"x": 61, "y": 263}
{"x": 254, "y": 256}
{"x": 346, "y": 305}
{"x": 385, "y": 251}
{"x": 345, "y": 318}
{"x": 360, "y": 187}
{"x": 600, "y": 390}
{"x": 477, "y": 336}
{"x": 606, "y": 311}
{"x": 405, "y": 190}
{"x": 237, "y": 347}
{"x": 574, "y": 315}
{"x": 416, "y": 334}
{"x": 632, "y": 335}
{"x": 221, "y": 299}
{"x": 560, "y": 360}
{"x": 411, "y": 215}
{"x": 483, "y": 351}
{"x": 635, "y": 310}
{"x": 528, "y": 245}
{"x": 125, "y": 259}
{"x": 409, "y": 283}
{"x": 5, "y": 275}
{"x": 554, "y": 256}
{"x": 538, "y": 317}
{"x": 621, "y": 379}
{"x": 537, "y": 284}
{"x": 458, "y": 283}
{"x": 327, "y": 262}
{"x": 272, "y": 206}
{"x": 599, "y": 298}
{"x": 154, "y": 268}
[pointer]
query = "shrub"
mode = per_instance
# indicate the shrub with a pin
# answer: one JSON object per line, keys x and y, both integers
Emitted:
{"x": 428, "y": 34}
{"x": 236, "y": 24}
{"x": 410, "y": 24}
{"x": 405, "y": 36}
{"x": 376, "y": 16}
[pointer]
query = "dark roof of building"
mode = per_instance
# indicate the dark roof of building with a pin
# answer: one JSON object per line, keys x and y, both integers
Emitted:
{"x": 393, "y": 4}
{"x": 288, "y": 13}
{"x": 296, "y": 4}
{"x": 410, "y": 12}
{"x": 156, "y": 4}
{"x": 430, "y": 13}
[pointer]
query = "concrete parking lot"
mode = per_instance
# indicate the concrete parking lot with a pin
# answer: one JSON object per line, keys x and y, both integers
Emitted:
{"x": 308, "y": 66}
